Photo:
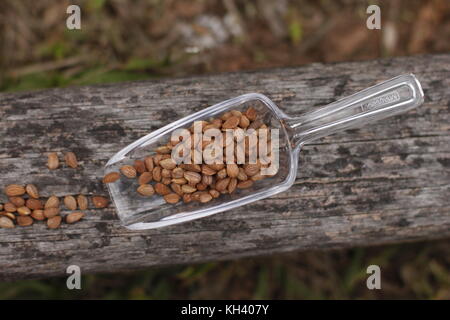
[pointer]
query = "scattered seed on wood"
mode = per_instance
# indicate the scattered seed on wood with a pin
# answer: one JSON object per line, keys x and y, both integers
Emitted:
{"x": 54, "y": 222}
{"x": 82, "y": 202}
{"x": 53, "y": 161}
{"x": 38, "y": 214}
{"x": 52, "y": 202}
{"x": 5, "y": 222}
{"x": 32, "y": 191}
{"x": 99, "y": 202}
{"x": 10, "y": 207}
{"x": 24, "y": 221}
{"x": 14, "y": 190}
{"x": 74, "y": 217}
{"x": 71, "y": 160}
{"x": 17, "y": 201}
{"x": 51, "y": 212}
{"x": 34, "y": 204}
{"x": 70, "y": 202}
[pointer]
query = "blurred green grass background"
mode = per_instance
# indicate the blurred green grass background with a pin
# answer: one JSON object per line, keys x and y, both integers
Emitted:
{"x": 124, "y": 40}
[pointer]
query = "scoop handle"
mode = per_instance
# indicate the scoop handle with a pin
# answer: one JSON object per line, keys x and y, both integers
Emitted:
{"x": 383, "y": 100}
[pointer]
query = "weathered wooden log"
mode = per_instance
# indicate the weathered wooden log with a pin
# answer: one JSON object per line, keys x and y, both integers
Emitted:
{"x": 388, "y": 182}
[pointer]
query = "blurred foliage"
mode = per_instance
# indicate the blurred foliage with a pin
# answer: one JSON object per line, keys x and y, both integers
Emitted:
{"x": 124, "y": 40}
{"x": 419, "y": 270}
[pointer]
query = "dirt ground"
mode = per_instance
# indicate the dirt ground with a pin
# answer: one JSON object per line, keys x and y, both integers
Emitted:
{"x": 123, "y": 40}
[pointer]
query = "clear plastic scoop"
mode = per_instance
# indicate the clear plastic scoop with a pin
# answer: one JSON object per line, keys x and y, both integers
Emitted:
{"x": 383, "y": 100}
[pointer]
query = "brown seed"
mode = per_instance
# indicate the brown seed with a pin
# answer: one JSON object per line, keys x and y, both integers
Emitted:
{"x": 52, "y": 161}
{"x": 162, "y": 189}
{"x": 17, "y": 201}
{"x": 166, "y": 181}
{"x": 222, "y": 173}
{"x": 74, "y": 217}
{"x": 70, "y": 202}
{"x": 172, "y": 198}
{"x": 244, "y": 122}
{"x": 9, "y": 207}
{"x": 251, "y": 114}
{"x": 231, "y": 123}
{"x": 5, "y": 222}
{"x": 257, "y": 177}
{"x": 1, "y": 207}
{"x": 163, "y": 150}
{"x": 168, "y": 164}
{"x": 32, "y": 191}
{"x": 232, "y": 185}
{"x": 128, "y": 171}
{"x": 192, "y": 177}
{"x": 205, "y": 197}
{"x": 255, "y": 124}
{"x": 139, "y": 165}
{"x": 157, "y": 174}
{"x": 146, "y": 190}
{"x": 227, "y": 115}
{"x": 14, "y": 190}
{"x": 179, "y": 181}
{"x": 187, "y": 188}
{"x": 34, "y": 204}
{"x": 236, "y": 113}
{"x": 24, "y": 221}
{"x": 177, "y": 173}
{"x": 166, "y": 173}
{"x": 187, "y": 198}
{"x": 82, "y": 202}
{"x": 208, "y": 170}
{"x": 251, "y": 169}
{"x": 38, "y": 214}
{"x": 214, "y": 193}
{"x": 232, "y": 170}
{"x": 207, "y": 180}
{"x": 216, "y": 166}
{"x": 145, "y": 178}
{"x": 99, "y": 202}
{"x": 9, "y": 215}
{"x": 111, "y": 177}
{"x": 71, "y": 159}
{"x": 54, "y": 222}
{"x": 241, "y": 175}
{"x": 177, "y": 189}
{"x": 222, "y": 184}
{"x": 245, "y": 184}
{"x": 52, "y": 202}
{"x": 201, "y": 186}
{"x": 149, "y": 163}
{"x": 196, "y": 195}
{"x": 51, "y": 212}
{"x": 157, "y": 158}
{"x": 191, "y": 167}
{"x": 217, "y": 123}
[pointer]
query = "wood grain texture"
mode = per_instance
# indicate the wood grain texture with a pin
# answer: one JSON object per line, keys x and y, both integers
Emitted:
{"x": 388, "y": 182}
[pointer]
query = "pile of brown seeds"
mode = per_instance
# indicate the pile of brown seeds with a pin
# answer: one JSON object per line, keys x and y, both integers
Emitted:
{"x": 25, "y": 206}
{"x": 195, "y": 182}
